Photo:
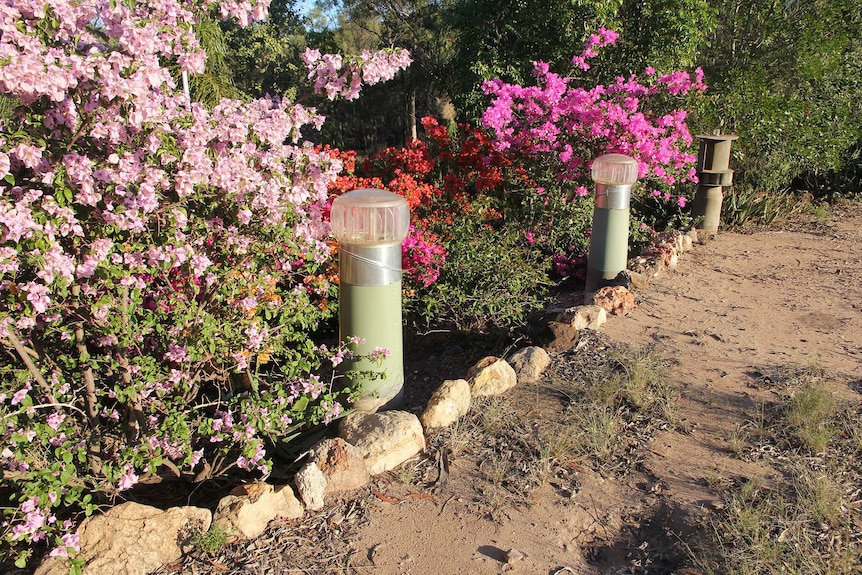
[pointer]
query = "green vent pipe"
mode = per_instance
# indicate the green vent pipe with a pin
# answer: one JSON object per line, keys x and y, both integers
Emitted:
{"x": 369, "y": 226}
{"x": 614, "y": 175}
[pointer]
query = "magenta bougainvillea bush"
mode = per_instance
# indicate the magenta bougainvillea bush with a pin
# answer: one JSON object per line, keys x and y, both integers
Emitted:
{"x": 574, "y": 124}
{"x": 162, "y": 263}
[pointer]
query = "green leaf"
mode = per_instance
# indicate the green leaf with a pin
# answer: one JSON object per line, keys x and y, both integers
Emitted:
{"x": 300, "y": 404}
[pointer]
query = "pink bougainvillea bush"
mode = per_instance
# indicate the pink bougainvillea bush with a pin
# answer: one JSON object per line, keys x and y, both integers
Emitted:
{"x": 574, "y": 124}
{"x": 161, "y": 263}
{"x": 558, "y": 126}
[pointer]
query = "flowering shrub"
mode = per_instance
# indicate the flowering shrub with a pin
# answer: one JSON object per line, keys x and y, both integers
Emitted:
{"x": 523, "y": 179}
{"x": 557, "y": 128}
{"x": 161, "y": 264}
{"x": 573, "y": 125}
{"x": 422, "y": 256}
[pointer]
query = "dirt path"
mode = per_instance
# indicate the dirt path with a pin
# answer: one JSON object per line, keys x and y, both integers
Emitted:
{"x": 738, "y": 309}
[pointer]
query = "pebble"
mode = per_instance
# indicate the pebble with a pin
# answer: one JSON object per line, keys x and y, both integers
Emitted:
{"x": 513, "y": 555}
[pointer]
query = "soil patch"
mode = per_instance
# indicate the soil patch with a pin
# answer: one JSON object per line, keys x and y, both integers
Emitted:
{"x": 739, "y": 310}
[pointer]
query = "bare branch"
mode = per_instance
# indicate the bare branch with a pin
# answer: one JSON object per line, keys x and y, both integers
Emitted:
{"x": 31, "y": 367}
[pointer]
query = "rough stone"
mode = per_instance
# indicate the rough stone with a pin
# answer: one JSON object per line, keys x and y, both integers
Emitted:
{"x": 688, "y": 241}
{"x": 513, "y": 556}
{"x": 342, "y": 464}
{"x": 584, "y": 317}
{"x": 386, "y": 439}
{"x": 531, "y": 362}
{"x": 616, "y": 300}
{"x": 643, "y": 269}
{"x": 564, "y": 336}
{"x": 133, "y": 539}
{"x": 491, "y": 376}
{"x": 663, "y": 254}
{"x": 449, "y": 403}
{"x": 311, "y": 485}
{"x": 248, "y": 509}
{"x": 676, "y": 240}
{"x": 639, "y": 280}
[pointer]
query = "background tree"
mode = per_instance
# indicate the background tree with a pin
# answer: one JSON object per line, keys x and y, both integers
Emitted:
{"x": 264, "y": 57}
{"x": 785, "y": 77}
{"x": 501, "y": 39}
{"x": 389, "y": 116}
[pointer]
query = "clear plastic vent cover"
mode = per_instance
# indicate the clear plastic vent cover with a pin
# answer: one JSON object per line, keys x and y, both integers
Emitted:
{"x": 369, "y": 217}
{"x": 615, "y": 169}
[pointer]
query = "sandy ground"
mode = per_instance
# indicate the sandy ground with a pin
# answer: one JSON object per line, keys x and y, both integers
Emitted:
{"x": 738, "y": 308}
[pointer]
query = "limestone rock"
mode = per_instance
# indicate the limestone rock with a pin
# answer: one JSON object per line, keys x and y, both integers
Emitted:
{"x": 133, "y": 539}
{"x": 616, "y": 300}
{"x": 342, "y": 464}
{"x": 386, "y": 439}
{"x": 531, "y": 362}
{"x": 585, "y": 317}
{"x": 248, "y": 509}
{"x": 449, "y": 403}
{"x": 311, "y": 485}
{"x": 491, "y": 376}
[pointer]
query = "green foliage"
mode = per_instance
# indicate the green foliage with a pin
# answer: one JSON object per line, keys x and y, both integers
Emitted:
{"x": 628, "y": 385}
{"x": 264, "y": 57}
{"x": 491, "y": 278}
{"x": 809, "y": 415}
{"x": 806, "y": 520}
{"x": 389, "y": 116}
{"x": 501, "y": 39}
{"x": 743, "y": 205}
{"x": 665, "y": 34}
{"x": 211, "y": 541}
{"x": 7, "y": 106}
{"x": 785, "y": 77}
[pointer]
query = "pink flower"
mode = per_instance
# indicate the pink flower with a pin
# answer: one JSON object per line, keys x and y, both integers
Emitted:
{"x": 70, "y": 541}
{"x": 28, "y": 155}
{"x": 378, "y": 354}
{"x": 37, "y": 295}
{"x": 19, "y": 395}
{"x": 241, "y": 359}
{"x": 200, "y": 263}
{"x": 176, "y": 354}
{"x": 5, "y": 164}
{"x": 338, "y": 357}
{"x": 681, "y": 201}
{"x": 55, "y": 420}
{"x": 128, "y": 480}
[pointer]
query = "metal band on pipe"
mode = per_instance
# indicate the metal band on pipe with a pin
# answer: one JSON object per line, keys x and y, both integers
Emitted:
{"x": 613, "y": 197}
{"x": 370, "y": 265}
